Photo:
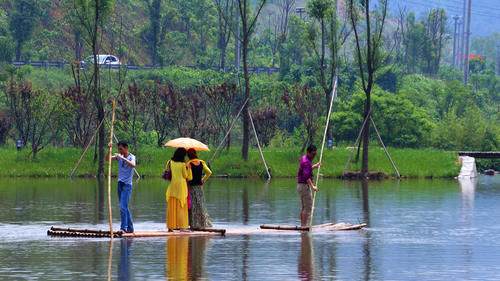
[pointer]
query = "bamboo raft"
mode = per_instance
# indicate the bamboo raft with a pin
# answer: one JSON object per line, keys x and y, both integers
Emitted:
{"x": 264, "y": 229}
{"x": 97, "y": 233}
{"x": 321, "y": 227}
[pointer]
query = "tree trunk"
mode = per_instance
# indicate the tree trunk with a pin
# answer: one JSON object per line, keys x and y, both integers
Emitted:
{"x": 325, "y": 85}
{"x": 222, "y": 43}
{"x": 223, "y": 58}
{"x": 135, "y": 145}
{"x": 97, "y": 93}
{"x": 246, "y": 119}
{"x": 155, "y": 54}
{"x": 78, "y": 47}
{"x": 18, "y": 50}
{"x": 366, "y": 137}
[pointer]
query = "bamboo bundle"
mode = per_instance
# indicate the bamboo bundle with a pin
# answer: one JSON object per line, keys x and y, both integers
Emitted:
{"x": 82, "y": 230}
{"x": 205, "y": 229}
{"x": 166, "y": 234}
{"x": 349, "y": 227}
{"x": 77, "y": 234}
{"x": 281, "y": 227}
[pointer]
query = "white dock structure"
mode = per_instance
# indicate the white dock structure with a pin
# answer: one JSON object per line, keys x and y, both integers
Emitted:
{"x": 469, "y": 169}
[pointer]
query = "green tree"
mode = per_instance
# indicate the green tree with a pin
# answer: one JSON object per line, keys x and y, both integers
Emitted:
{"x": 332, "y": 36}
{"x": 22, "y": 22}
{"x": 225, "y": 13}
{"x": 248, "y": 22}
{"x": 369, "y": 55}
{"x": 91, "y": 16}
{"x": 435, "y": 30}
{"x": 161, "y": 17}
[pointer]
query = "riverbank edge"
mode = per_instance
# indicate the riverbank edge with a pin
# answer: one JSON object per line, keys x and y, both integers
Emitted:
{"x": 412, "y": 163}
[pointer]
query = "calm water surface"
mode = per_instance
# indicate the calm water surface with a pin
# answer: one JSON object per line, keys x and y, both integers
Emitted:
{"x": 418, "y": 230}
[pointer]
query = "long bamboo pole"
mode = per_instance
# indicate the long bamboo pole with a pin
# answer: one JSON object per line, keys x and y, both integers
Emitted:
{"x": 110, "y": 258}
{"x": 258, "y": 145}
{"x": 86, "y": 149}
{"x": 109, "y": 170}
{"x": 322, "y": 148}
{"x": 228, "y": 132}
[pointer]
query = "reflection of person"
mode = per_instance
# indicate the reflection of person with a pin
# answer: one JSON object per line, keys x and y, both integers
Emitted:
{"x": 306, "y": 260}
{"x": 126, "y": 165}
{"x": 198, "y": 216}
{"x": 305, "y": 184}
{"x": 177, "y": 258}
{"x": 197, "y": 248}
{"x": 126, "y": 246}
{"x": 177, "y": 192}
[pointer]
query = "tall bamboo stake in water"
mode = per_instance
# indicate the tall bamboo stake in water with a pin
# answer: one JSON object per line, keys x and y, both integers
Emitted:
{"x": 86, "y": 149}
{"x": 322, "y": 148}
{"x": 109, "y": 170}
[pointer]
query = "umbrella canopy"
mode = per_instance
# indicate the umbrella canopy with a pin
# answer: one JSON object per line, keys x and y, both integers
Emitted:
{"x": 187, "y": 143}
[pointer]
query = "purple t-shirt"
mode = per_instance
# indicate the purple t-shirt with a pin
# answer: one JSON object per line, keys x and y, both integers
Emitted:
{"x": 305, "y": 170}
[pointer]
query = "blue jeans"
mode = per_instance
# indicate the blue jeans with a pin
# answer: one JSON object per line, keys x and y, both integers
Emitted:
{"x": 124, "y": 192}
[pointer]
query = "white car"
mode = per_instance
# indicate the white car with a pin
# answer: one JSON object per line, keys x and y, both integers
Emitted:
{"x": 103, "y": 60}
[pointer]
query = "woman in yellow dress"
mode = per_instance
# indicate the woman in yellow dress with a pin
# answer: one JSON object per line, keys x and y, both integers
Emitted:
{"x": 177, "y": 192}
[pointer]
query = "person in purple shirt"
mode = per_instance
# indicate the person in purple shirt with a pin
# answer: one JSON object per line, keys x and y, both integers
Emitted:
{"x": 305, "y": 183}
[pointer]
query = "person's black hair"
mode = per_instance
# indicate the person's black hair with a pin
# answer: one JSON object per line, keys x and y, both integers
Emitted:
{"x": 311, "y": 148}
{"x": 192, "y": 153}
{"x": 123, "y": 144}
{"x": 179, "y": 155}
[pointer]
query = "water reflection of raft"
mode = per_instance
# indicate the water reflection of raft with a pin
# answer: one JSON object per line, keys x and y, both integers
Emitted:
{"x": 97, "y": 233}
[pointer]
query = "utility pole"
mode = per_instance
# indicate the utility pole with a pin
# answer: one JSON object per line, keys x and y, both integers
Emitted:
{"x": 454, "y": 60}
{"x": 459, "y": 42}
{"x": 300, "y": 11}
{"x": 467, "y": 45}
{"x": 462, "y": 47}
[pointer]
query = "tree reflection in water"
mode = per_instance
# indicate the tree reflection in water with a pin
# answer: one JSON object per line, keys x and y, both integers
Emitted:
{"x": 367, "y": 257}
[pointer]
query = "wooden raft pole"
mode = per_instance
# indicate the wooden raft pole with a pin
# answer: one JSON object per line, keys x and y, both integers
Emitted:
{"x": 86, "y": 148}
{"x": 258, "y": 145}
{"x": 385, "y": 149}
{"x": 109, "y": 171}
{"x": 334, "y": 91}
{"x": 228, "y": 131}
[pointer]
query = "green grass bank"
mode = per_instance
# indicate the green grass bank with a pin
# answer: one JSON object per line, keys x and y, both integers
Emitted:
{"x": 283, "y": 162}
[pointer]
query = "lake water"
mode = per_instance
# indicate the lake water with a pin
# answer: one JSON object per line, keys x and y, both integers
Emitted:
{"x": 418, "y": 230}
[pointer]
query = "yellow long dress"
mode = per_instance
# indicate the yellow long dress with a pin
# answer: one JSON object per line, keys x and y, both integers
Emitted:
{"x": 177, "y": 191}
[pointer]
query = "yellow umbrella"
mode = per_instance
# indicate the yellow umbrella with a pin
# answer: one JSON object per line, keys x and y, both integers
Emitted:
{"x": 187, "y": 143}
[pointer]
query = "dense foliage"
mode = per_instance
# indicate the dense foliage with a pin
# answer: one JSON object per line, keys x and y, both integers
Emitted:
{"x": 418, "y": 100}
